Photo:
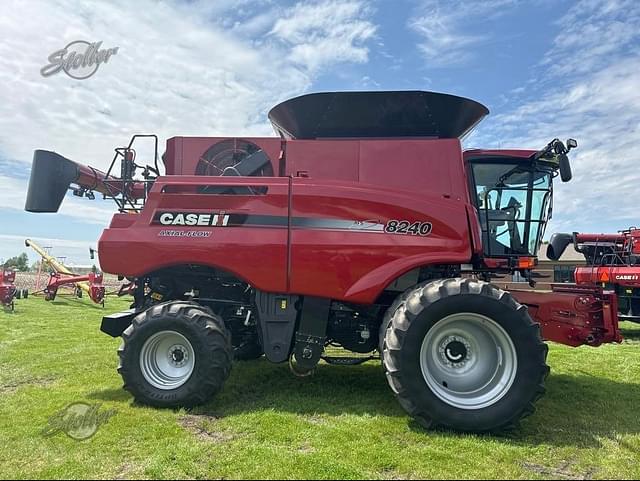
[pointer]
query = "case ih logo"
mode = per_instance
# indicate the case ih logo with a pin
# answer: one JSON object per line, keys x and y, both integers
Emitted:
{"x": 79, "y": 59}
{"x": 192, "y": 219}
{"x": 627, "y": 277}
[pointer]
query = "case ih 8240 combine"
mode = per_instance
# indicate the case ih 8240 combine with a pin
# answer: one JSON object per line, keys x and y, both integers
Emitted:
{"x": 363, "y": 225}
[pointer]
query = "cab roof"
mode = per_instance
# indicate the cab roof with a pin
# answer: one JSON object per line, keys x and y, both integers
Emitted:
{"x": 517, "y": 153}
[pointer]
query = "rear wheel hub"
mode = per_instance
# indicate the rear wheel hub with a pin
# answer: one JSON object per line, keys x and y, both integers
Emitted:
{"x": 468, "y": 360}
{"x": 456, "y": 351}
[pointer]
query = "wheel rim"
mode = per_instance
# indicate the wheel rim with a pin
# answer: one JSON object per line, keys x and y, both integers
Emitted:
{"x": 167, "y": 360}
{"x": 468, "y": 361}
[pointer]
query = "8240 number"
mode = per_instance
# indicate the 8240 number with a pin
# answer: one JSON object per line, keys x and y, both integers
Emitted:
{"x": 406, "y": 227}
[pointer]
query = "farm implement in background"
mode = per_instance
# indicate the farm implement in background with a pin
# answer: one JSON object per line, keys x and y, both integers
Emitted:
{"x": 613, "y": 263}
{"x": 8, "y": 289}
{"x": 62, "y": 276}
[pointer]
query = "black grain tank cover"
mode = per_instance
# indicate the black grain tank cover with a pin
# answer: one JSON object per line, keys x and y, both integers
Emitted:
{"x": 376, "y": 114}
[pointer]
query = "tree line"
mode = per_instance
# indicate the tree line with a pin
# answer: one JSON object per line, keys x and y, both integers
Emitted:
{"x": 19, "y": 263}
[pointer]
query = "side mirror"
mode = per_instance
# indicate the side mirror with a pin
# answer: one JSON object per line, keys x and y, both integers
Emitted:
{"x": 565, "y": 168}
{"x": 571, "y": 144}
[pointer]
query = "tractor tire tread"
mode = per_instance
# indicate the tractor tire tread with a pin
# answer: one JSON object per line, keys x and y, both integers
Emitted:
{"x": 410, "y": 304}
{"x": 216, "y": 340}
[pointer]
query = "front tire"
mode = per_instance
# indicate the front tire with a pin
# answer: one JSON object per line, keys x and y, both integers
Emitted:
{"x": 461, "y": 354}
{"x": 176, "y": 354}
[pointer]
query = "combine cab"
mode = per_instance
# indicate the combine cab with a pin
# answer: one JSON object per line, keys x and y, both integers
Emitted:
{"x": 362, "y": 226}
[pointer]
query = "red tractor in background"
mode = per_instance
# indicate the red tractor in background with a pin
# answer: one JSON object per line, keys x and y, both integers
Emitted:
{"x": 363, "y": 225}
{"x": 613, "y": 262}
{"x": 8, "y": 289}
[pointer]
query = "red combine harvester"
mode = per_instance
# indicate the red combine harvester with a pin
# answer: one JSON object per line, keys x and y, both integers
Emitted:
{"x": 362, "y": 225}
{"x": 61, "y": 276}
{"x": 613, "y": 262}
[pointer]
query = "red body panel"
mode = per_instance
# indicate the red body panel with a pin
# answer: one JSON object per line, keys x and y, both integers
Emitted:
{"x": 356, "y": 266}
{"x": 340, "y": 263}
{"x": 344, "y": 182}
{"x": 257, "y": 255}
{"x": 627, "y": 276}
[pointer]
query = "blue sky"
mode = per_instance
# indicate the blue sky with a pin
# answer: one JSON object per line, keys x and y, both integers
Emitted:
{"x": 544, "y": 68}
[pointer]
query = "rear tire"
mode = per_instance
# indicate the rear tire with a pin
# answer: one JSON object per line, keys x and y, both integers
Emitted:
{"x": 175, "y": 354}
{"x": 25, "y": 293}
{"x": 388, "y": 315}
{"x": 461, "y": 354}
{"x": 17, "y": 294}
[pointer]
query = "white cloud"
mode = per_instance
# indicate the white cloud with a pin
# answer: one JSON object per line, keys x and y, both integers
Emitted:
{"x": 321, "y": 33}
{"x": 594, "y": 33}
{"x": 591, "y": 95}
{"x": 177, "y": 71}
{"x": 443, "y": 28}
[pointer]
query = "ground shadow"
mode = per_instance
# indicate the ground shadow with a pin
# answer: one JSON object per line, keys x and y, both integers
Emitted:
{"x": 118, "y": 394}
{"x": 581, "y": 410}
{"x": 578, "y": 409}
{"x": 76, "y": 303}
{"x": 630, "y": 334}
{"x": 332, "y": 390}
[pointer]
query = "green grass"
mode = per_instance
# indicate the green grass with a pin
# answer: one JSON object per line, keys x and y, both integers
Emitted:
{"x": 343, "y": 422}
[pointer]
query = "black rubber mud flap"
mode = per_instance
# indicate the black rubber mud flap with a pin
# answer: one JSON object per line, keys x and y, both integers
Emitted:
{"x": 277, "y": 314}
{"x": 312, "y": 332}
{"x": 116, "y": 324}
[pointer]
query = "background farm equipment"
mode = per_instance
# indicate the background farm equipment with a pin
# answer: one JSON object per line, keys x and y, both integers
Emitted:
{"x": 613, "y": 263}
{"x": 8, "y": 289}
{"x": 90, "y": 283}
{"x": 363, "y": 225}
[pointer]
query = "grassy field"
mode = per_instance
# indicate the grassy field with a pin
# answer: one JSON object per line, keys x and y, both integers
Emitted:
{"x": 343, "y": 422}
